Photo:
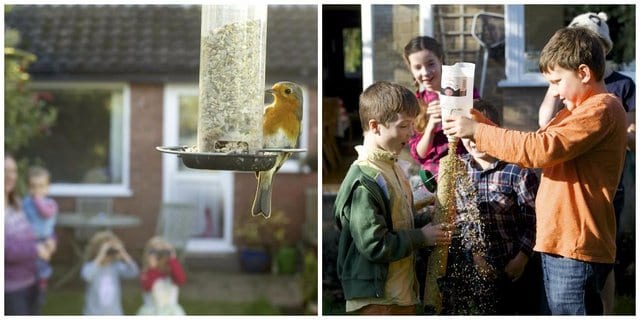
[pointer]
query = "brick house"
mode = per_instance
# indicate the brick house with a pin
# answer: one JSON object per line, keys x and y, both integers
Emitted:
{"x": 124, "y": 79}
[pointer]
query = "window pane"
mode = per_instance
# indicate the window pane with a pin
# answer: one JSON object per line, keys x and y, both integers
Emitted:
{"x": 540, "y": 24}
{"x": 85, "y": 144}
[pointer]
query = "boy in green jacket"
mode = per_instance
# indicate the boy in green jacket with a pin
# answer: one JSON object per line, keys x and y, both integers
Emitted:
{"x": 379, "y": 231}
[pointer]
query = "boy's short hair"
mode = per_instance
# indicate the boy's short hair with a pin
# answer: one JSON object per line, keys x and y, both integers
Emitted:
{"x": 572, "y": 46}
{"x": 383, "y": 101}
{"x": 38, "y": 171}
{"x": 488, "y": 110}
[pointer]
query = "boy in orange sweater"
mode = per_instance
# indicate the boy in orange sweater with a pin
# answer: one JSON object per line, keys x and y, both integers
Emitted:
{"x": 581, "y": 153}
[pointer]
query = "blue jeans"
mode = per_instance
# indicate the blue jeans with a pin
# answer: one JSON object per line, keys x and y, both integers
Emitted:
{"x": 573, "y": 287}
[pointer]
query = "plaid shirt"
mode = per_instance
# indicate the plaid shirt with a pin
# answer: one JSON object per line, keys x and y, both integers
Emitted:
{"x": 506, "y": 200}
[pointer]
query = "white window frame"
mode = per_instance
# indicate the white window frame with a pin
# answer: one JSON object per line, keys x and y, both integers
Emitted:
{"x": 515, "y": 61}
{"x": 122, "y": 189}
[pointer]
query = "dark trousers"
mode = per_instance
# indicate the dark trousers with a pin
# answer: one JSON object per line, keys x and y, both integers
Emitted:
{"x": 22, "y": 302}
{"x": 526, "y": 295}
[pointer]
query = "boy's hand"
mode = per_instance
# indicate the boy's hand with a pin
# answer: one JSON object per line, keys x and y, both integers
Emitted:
{"x": 515, "y": 267}
{"x": 437, "y": 234}
{"x": 460, "y": 127}
{"x": 483, "y": 267}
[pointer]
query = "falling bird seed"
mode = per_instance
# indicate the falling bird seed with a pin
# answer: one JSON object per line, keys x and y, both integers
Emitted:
{"x": 453, "y": 208}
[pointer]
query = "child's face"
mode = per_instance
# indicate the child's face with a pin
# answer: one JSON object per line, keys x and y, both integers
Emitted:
{"x": 394, "y": 135}
{"x": 39, "y": 186}
{"x": 474, "y": 151}
{"x": 10, "y": 174}
{"x": 426, "y": 69}
{"x": 567, "y": 85}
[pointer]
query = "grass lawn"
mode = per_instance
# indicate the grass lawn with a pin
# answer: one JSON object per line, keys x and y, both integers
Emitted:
{"x": 70, "y": 301}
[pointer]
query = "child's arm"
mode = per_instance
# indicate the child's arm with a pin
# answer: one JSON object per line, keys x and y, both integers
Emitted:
{"x": 548, "y": 108}
{"x": 437, "y": 234}
{"x": 177, "y": 272}
{"x": 371, "y": 235}
{"x": 47, "y": 207}
{"x": 149, "y": 277}
{"x": 128, "y": 268}
{"x": 89, "y": 270}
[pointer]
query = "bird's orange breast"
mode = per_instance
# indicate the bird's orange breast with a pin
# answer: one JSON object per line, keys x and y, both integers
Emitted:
{"x": 281, "y": 116}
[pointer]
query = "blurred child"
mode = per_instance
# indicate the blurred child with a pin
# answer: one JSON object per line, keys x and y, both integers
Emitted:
{"x": 161, "y": 276}
{"x": 41, "y": 212}
{"x": 494, "y": 283}
{"x": 581, "y": 153}
{"x": 106, "y": 262}
{"x": 379, "y": 232}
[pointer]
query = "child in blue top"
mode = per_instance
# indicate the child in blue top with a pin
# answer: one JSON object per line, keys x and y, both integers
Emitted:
{"x": 106, "y": 263}
{"x": 41, "y": 212}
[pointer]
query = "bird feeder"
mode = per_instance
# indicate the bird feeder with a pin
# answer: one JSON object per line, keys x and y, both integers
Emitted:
{"x": 231, "y": 90}
{"x": 233, "y": 45}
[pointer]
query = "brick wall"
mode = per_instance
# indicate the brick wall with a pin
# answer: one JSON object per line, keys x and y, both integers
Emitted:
{"x": 145, "y": 164}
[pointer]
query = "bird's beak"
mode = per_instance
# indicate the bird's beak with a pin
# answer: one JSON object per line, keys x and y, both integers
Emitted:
{"x": 269, "y": 91}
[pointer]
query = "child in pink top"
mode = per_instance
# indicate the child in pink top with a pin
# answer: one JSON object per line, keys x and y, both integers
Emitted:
{"x": 424, "y": 57}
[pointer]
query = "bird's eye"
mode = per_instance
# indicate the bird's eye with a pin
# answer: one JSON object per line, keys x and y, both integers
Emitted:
{"x": 287, "y": 91}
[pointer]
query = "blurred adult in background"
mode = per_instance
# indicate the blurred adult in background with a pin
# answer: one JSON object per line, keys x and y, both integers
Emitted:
{"x": 20, "y": 250}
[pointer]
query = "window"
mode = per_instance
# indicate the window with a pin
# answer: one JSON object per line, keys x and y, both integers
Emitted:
{"x": 529, "y": 27}
{"x": 88, "y": 145}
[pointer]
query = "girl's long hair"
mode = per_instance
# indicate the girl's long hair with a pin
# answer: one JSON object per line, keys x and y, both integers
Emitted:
{"x": 422, "y": 118}
{"x": 12, "y": 196}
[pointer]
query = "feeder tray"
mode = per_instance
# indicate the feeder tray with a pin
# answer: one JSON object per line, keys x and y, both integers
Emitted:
{"x": 263, "y": 160}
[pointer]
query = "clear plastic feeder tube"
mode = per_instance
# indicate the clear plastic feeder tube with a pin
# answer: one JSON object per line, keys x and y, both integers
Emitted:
{"x": 233, "y": 43}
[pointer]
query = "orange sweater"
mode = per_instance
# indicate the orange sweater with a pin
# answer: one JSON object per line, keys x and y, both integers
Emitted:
{"x": 581, "y": 152}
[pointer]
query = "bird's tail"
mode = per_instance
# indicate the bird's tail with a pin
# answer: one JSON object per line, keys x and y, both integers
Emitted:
{"x": 262, "y": 201}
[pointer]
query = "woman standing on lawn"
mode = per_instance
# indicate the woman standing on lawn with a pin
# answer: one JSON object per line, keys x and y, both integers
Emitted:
{"x": 20, "y": 250}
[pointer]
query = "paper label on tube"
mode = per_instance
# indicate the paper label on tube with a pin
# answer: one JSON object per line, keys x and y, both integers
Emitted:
{"x": 456, "y": 93}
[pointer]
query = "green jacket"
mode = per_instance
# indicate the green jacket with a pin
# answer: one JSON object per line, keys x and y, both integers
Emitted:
{"x": 367, "y": 242}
